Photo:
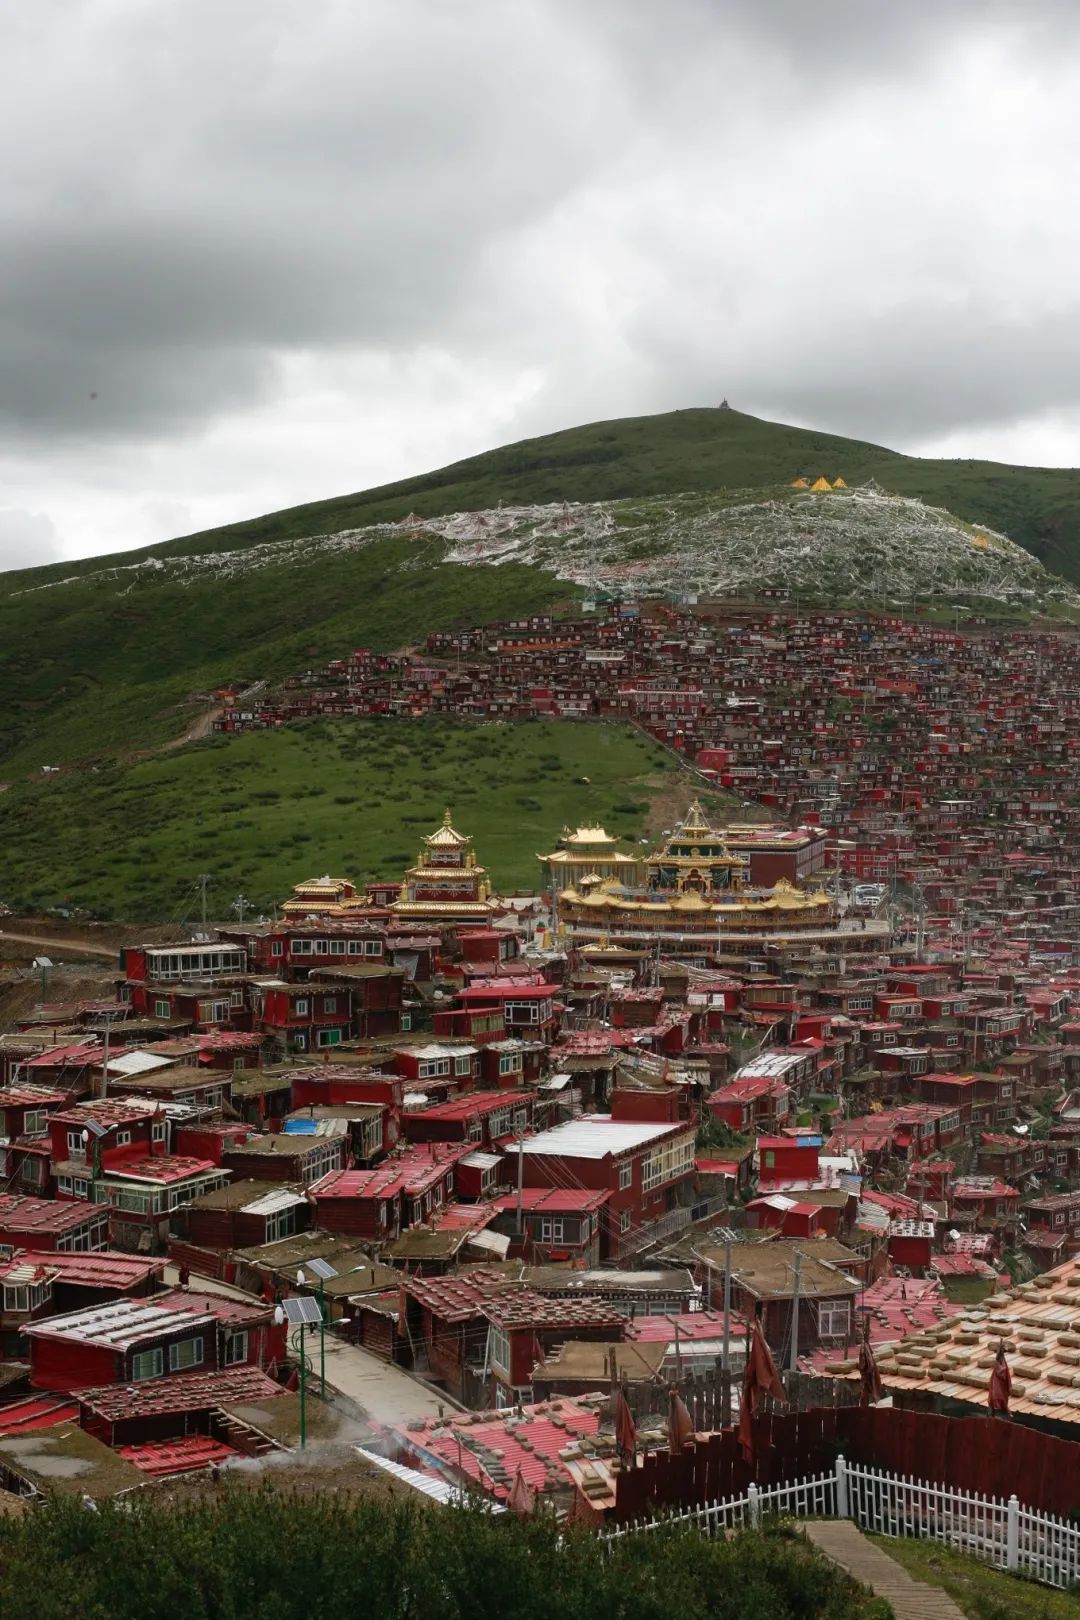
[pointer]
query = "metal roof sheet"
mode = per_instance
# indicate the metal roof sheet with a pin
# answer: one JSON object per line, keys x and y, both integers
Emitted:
{"x": 596, "y": 1136}
{"x": 120, "y": 1325}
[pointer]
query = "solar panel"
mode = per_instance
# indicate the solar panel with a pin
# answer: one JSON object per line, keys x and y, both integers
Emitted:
{"x": 302, "y": 1311}
{"x": 322, "y": 1268}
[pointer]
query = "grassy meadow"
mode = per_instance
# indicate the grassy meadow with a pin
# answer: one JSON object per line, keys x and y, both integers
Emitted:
{"x": 264, "y": 810}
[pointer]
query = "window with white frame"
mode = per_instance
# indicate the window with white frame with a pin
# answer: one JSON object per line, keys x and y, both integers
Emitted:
{"x": 499, "y": 1348}
{"x": 626, "y": 1174}
{"x": 329, "y": 1004}
{"x": 123, "y": 1138}
{"x": 301, "y": 1007}
{"x": 236, "y": 1349}
{"x": 624, "y": 1220}
{"x": 147, "y": 1364}
{"x": 462, "y": 1065}
{"x": 301, "y": 947}
{"x": 32, "y": 1172}
{"x": 664, "y": 1163}
{"x": 406, "y": 1021}
{"x": 552, "y": 1229}
{"x": 299, "y": 1041}
{"x": 521, "y": 1119}
{"x": 373, "y": 947}
{"x": 280, "y": 1225}
{"x": 338, "y": 947}
{"x": 276, "y": 947}
{"x": 834, "y": 1318}
{"x": 188, "y": 1353}
{"x": 236, "y": 998}
{"x": 34, "y": 1122}
{"x": 162, "y": 1009}
{"x": 431, "y": 1068}
{"x": 356, "y": 947}
{"x": 509, "y": 1063}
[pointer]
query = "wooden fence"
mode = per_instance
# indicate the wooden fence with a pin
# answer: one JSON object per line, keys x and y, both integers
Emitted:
{"x": 983, "y": 1454}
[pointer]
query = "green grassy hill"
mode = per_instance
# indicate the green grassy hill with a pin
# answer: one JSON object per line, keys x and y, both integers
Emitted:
{"x": 103, "y": 662}
{"x": 263, "y": 811}
{"x": 696, "y": 450}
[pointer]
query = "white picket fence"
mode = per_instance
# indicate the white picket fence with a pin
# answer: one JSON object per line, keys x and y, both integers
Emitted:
{"x": 1000, "y": 1532}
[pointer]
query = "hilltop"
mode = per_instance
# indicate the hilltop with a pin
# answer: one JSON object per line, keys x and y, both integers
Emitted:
{"x": 106, "y": 662}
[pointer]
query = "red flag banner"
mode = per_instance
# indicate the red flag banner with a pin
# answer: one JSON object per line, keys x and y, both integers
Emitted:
{"x": 761, "y": 1378}
{"x": 870, "y": 1389}
{"x": 625, "y": 1430}
{"x": 680, "y": 1425}
{"x": 1000, "y": 1383}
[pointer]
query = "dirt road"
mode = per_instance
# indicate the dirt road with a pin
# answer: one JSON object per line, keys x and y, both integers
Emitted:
{"x": 60, "y": 947}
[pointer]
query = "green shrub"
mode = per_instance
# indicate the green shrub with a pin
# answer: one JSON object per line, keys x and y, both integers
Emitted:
{"x": 287, "y": 1557}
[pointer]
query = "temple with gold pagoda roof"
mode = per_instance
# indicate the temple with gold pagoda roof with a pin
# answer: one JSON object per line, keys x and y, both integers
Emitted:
{"x": 589, "y": 855}
{"x": 696, "y": 905}
{"x": 323, "y": 897}
{"x": 447, "y": 884}
{"x": 695, "y": 859}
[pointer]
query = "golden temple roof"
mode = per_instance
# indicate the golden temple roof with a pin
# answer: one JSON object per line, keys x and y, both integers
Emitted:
{"x": 447, "y": 837}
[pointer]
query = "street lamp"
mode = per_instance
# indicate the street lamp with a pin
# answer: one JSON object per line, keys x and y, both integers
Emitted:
{"x": 301, "y": 1313}
{"x": 322, "y": 1269}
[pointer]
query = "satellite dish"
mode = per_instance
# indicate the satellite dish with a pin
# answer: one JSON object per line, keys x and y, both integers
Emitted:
{"x": 954, "y": 1236}
{"x": 1021, "y": 1130}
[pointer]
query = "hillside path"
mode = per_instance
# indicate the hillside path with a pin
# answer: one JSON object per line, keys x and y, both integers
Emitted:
{"x": 844, "y": 1543}
{"x": 60, "y": 946}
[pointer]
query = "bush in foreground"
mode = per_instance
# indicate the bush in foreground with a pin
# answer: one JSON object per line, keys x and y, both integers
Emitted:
{"x": 338, "y": 1558}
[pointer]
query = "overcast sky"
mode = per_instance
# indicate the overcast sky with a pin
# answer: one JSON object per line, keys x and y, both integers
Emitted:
{"x": 257, "y": 253}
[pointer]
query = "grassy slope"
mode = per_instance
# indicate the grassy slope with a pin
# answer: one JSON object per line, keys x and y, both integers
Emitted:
{"x": 983, "y": 1593}
{"x": 86, "y": 669}
{"x": 260, "y": 812}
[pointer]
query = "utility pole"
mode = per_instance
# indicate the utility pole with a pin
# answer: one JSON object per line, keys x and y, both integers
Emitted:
{"x": 794, "y": 1357}
{"x": 240, "y": 905}
{"x": 727, "y": 1303}
{"x": 520, "y": 1185}
{"x": 105, "y": 1059}
{"x": 204, "y": 878}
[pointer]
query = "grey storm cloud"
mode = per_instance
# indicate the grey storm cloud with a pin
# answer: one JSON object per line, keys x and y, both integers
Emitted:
{"x": 368, "y": 237}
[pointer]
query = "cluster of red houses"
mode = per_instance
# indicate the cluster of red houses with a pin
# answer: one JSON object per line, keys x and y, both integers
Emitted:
{"x": 922, "y": 755}
{"x": 523, "y": 1162}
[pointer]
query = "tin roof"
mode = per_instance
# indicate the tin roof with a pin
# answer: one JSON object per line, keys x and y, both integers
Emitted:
{"x": 25, "y": 1215}
{"x": 487, "y": 1446}
{"x": 120, "y": 1325}
{"x": 595, "y": 1136}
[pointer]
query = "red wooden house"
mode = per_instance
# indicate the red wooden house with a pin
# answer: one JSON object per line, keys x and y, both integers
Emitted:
{"x": 379, "y": 1204}
{"x": 783, "y": 1160}
{"x": 484, "y": 1118}
{"x": 558, "y": 1224}
{"x": 243, "y": 1215}
{"x": 647, "y": 1168}
{"x": 303, "y": 1017}
{"x": 46, "y": 1224}
{"x": 751, "y": 1104}
{"x": 286, "y": 1157}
